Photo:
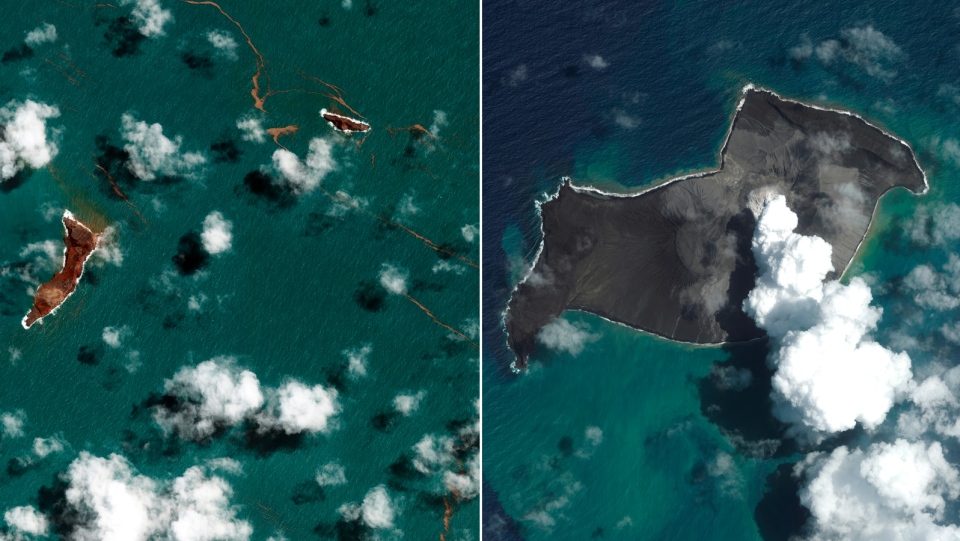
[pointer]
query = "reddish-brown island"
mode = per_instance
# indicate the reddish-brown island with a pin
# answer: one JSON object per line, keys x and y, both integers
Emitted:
{"x": 80, "y": 242}
{"x": 344, "y": 124}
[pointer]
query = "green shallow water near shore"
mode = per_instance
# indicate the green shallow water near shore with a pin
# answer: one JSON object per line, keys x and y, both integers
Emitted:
{"x": 283, "y": 300}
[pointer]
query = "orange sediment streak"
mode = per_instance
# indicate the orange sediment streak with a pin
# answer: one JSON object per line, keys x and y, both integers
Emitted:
{"x": 414, "y": 128}
{"x": 59, "y": 68}
{"x": 258, "y": 101}
{"x": 73, "y": 66}
{"x": 276, "y": 133}
{"x": 430, "y": 244}
{"x": 442, "y": 324}
{"x": 447, "y": 515}
{"x": 119, "y": 192}
{"x": 339, "y": 92}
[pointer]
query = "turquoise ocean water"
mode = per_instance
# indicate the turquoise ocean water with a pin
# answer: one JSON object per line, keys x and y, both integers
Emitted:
{"x": 668, "y": 465}
{"x": 284, "y": 299}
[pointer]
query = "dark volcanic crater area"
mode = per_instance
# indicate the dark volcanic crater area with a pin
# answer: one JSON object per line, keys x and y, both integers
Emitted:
{"x": 676, "y": 260}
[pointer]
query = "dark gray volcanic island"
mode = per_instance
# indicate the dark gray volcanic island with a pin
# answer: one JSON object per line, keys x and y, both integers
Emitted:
{"x": 676, "y": 260}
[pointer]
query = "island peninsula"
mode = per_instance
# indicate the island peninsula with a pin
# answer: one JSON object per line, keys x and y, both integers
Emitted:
{"x": 80, "y": 242}
{"x": 675, "y": 259}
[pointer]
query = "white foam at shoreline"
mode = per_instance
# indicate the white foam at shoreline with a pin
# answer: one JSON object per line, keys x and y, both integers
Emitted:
{"x": 66, "y": 214}
{"x": 590, "y": 189}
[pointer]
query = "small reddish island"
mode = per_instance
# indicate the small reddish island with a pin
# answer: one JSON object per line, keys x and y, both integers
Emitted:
{"x": 80, "y": 242}
{"x": 344, "y": 124}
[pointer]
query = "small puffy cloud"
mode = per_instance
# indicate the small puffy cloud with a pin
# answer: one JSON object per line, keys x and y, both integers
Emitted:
{"x": 596, "y": 62}
{"x": 224, "y": 43}
{"x": 296, "y": 408}
{"x": 871, "y": 50}
{"x": 46, "y": 256}
{"x": 304, "y": 176}
{"x": 26, "y": 520}
{"x": 936, "y": 225}
{"x": 518, "y": 75}
{"x": 24, "y": 142}
{"x": 445, "y": 265}
{"x": 331, "y": 474}
{"x": 357, "y": 360}
{"x": 562, "y": 336}
{"x": 212, "y": 395}
{"x": 470, "y": 232}
{"x": 724, "y": 469}
{"x": 865, "y": 47}
{"x": 149, "y": 16}
{"x": 43, "y": 447}
{"x": 114, "y": 336}
{"x": 407, "y": 403}
{"x": 889, "y": 491}
{"x": 108, "y": 250}
{"x": 217, "y": 233}
{"x": 407, "y": 207}
{"x": 593, "y": 437}
{"x": 730, "y": 378}
{"x": 394, "y": 279}
{"x": 465, "y": 485}
{"x": 625, "y": 120}
{"x": 377, "y": 510}
{"x": 439, "y": 121}
{"x": 152, "y": 153}
{"x": 45, "y": 33}
{"x": 225, "y": 464}
{"x": 935, "y": 290}
{"x": 113, "y": 502}
{"x": 830, "y": 374}
{"x": 802, "y": 51}
{"x": 433, "y": 453}
{"x": 12, "y": 423}
{"x": 937, "y": 409}
{"x": 251, "y": 129}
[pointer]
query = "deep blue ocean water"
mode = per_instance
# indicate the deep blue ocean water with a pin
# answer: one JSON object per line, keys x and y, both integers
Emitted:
{"x": 660, "y": 103}
{"x": 299, "y": 286}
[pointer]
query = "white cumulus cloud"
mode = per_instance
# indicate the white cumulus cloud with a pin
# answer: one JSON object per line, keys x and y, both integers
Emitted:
{"x": 251, "y": 129}
{"x": 304, "y": 176}
{"x": 152, "y": 153}
{"x": 331, "y": 474}
{"x": 470, "y": 232}
{"x": 116, "y": 503}
{"x": 377, "y": 510}
{"x": 890, "y": 491}
{"x": 224, "y": 43}
{"x": 394, "y": 279}
{"x": 45, "y": 33}
{"x": 43, "y": 447}
{"x": 562, "y": 336}
{"x": 829, "y": 373}
{"x": 213, "y": 394}
{"x": 25, "y": 142}
{"x": 26, "y": 520}
{"x": 357, "y": 360}
{"x": 217, "y": 233}
{"x": 296, "y": 408}
{"x": 149, "y": 16}
{"x": 12, "y": 423}
{"x": 407, "y": 403}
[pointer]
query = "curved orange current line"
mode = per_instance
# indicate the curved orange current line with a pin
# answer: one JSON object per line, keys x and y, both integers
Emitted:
{"x": 442, "y": 324}
{"x": 261, "y": 63}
